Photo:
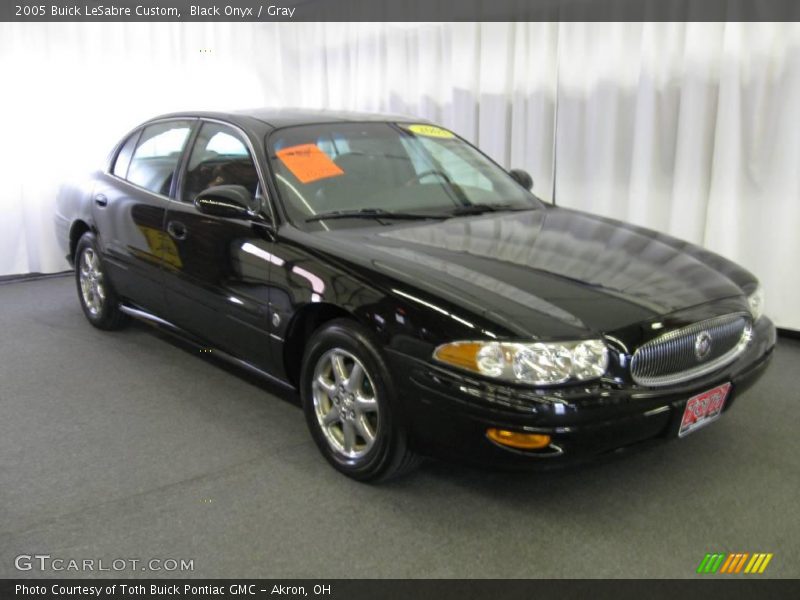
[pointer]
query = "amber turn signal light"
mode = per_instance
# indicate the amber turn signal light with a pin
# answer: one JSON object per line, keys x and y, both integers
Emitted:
{"x": 515, "y": 439}
{"x": 460, "y": 354}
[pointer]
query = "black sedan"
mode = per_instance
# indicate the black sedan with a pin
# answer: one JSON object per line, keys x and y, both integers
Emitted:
{"x": 420, "y": 298}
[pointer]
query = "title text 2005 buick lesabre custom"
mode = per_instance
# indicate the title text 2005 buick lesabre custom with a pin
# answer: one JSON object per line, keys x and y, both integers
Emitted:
{"x": 421, "y": 298}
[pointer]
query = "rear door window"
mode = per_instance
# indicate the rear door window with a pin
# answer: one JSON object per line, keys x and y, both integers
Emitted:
{"x": 124, "y": 156}
{"x": 157, "y": 155}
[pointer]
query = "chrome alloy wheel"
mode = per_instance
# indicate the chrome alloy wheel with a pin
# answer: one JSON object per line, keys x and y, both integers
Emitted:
{"x": 345, "y": 403}
{"x": 91, "y": 280}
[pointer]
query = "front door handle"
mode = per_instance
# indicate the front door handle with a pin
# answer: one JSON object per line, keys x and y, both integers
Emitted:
{"x": 177, "y": 230}
{"x": 101, "y": 200}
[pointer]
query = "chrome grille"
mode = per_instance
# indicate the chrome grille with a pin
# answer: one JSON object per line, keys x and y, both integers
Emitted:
{"x": 674, "y": 358}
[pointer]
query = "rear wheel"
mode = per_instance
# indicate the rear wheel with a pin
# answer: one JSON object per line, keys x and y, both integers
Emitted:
{"x": 350, "y": 405}
{"x": 98, "y": 299}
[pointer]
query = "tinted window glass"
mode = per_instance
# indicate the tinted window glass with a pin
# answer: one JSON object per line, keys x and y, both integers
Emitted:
{"x": 157, "y": 154}
{"x": 124, "y": 156}
{"x": 384, "y": 166}
{"x": 219, "y": 157}
{"x": 455, "y": 160}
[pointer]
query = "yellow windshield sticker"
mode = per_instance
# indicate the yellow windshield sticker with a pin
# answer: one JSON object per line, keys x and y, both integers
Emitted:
{"x": 308, "y": 163}
{"x": 430, "y": 131}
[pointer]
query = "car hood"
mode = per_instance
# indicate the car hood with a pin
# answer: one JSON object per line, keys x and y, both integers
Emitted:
{"x": 545, "y": 272}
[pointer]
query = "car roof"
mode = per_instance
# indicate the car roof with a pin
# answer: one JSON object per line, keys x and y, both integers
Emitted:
{"x": 285, "y": 117}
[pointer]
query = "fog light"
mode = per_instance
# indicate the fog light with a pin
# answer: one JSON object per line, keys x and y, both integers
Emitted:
{"x": 515, "y": 439}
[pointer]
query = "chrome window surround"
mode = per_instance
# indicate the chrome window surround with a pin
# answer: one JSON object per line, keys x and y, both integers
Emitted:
{"x": 659, "y": 362}
{"x": 266, "y": 196}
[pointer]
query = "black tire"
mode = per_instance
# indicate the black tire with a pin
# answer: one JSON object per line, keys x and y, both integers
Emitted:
{"x": 106, "y": 313}
{"x": 388, "y": 455}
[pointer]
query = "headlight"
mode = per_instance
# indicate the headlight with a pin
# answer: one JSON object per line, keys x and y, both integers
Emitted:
{"x": 756, "y": 303}
{"x": 538, "y": 363}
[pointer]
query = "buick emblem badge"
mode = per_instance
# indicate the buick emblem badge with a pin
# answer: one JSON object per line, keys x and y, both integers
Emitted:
{"x": 702, "y": 345}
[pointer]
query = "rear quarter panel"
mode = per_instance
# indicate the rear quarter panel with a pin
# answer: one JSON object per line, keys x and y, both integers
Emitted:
{"x": 73, "y": 206}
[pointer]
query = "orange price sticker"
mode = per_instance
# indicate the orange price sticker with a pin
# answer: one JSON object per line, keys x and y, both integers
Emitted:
{"x": 308, "y": 163}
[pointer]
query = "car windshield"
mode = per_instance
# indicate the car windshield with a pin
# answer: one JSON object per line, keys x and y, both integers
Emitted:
{"x": 358, "y": 172}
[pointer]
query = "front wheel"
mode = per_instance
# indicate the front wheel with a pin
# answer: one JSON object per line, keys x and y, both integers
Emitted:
{"x": 98, "y": 299}
{"x": 350, "y": 404}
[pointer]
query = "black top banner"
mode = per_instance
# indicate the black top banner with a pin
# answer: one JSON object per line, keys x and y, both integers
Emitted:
{"x": 399, "y": 10}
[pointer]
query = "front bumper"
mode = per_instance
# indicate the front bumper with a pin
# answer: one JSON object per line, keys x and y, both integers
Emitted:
{"x": 448, "y": 413}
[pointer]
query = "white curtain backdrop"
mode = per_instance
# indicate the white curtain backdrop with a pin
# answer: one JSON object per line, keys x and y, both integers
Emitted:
{"x": 688, "y": 128}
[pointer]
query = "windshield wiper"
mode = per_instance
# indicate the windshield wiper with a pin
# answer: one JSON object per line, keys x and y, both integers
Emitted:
{"x": 479, "y": 209}
{"x": 373, "y": 213}
{"x": 379, "y": 213}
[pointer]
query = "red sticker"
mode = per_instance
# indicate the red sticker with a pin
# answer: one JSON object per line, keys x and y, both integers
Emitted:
{"x": 308, "y": 163}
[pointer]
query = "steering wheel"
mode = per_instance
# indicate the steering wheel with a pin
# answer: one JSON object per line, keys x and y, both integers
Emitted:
{"x": 429, "y": 172}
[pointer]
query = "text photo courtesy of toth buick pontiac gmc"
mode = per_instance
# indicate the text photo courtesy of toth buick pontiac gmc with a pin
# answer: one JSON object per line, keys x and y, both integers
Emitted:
{"x": 418, "y": 296}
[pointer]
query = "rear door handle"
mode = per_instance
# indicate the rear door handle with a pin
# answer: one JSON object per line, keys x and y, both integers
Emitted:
{"x": 177, "y": 230}
{"x": 101, "y": 200}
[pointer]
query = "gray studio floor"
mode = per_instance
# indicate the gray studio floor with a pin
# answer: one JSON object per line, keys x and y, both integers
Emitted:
{"x": 128, "y": 445}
